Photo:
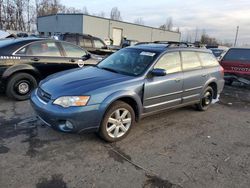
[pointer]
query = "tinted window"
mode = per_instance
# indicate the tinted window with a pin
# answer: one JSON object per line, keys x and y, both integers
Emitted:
{"x": 98, "y": 44}
{"x": 238, "y": 54}
{"x": 87, "y": 43}
{"x": 208, "y": 59}
{"x": 190, "y": 61}
{"x": 217, "y": 52}
{"x": 72, "y": 50}
{"x": 70, "y": 38}
{"x": 42, "y": 49}
{"x": 129, "y": 61}
{"x": 171, "y": 62}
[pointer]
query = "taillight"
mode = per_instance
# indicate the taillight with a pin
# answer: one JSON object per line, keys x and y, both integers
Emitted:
{"x": 222, "y": 70}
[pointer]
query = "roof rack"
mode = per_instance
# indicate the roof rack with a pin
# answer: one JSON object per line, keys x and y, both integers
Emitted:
{"x": 171, "y": 44}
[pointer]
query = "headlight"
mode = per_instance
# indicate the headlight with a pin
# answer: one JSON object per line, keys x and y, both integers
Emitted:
{"x": 68, "y": 101}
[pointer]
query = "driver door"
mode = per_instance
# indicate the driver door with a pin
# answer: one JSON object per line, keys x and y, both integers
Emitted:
{"x": 162, "y": 92}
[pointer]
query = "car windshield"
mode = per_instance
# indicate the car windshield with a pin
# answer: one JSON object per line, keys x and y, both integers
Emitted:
{"x": 133, "y": 62}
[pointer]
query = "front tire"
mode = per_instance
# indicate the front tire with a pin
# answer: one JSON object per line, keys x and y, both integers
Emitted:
{"x": 206, "y": 99}
{"x": 20, "y": 86}
{"x": 117, "y": 122}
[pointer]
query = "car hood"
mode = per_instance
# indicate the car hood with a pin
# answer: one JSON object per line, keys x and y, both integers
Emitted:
{"x": 80, "y": 81}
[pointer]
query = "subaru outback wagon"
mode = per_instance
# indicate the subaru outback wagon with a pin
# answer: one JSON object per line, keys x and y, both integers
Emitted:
{"x": 134, "y": 82}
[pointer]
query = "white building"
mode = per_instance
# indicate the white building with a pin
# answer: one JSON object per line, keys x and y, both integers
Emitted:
{"x": 102, "y": 28}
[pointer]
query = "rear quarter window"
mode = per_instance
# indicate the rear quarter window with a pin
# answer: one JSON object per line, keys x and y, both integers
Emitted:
{"x": 237, "y": 55}
{"x": 190, "y": 61}
{"x": 71, "y": 38}
{"x": 208, "y": 60}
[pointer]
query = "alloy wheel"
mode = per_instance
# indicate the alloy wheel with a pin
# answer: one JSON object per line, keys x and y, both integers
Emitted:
{"x": 118, "y": 123}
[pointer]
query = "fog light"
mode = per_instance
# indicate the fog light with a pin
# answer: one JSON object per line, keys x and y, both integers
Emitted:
{"x": 69, "y": 125}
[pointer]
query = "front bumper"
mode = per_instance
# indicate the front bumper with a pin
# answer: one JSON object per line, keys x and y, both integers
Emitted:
{"x": 86, "y": 118}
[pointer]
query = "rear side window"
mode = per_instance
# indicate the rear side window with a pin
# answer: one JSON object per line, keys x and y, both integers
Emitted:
{"x": 49, "y": 49}
{"x": 190, "y": 61}
{"x": 237, "y": 55}
{"x": 171, "y": 62}
{"x": 208, "y": 60}
{"x": 71, "y": 38}
{"x": 72, "y": 50}
{"x": 98, "y": 44}
{"x": 85, "y": 42}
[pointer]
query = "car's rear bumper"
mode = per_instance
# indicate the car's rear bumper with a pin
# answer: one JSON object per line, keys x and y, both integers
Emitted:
{"x": 85, "y": 118}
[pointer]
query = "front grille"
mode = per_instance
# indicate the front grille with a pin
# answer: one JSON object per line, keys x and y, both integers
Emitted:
{"x": 46, "y": 97}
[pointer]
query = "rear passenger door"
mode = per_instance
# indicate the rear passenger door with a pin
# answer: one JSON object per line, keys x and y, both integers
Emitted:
{"x": 194, "y": 77}
{"x": 162, "y": 92}
{"x": 46, "y": 56}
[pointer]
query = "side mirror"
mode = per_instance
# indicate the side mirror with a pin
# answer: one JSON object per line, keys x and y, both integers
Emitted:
{"x": 159, "y": 72}
{"x": 86, "y": 57}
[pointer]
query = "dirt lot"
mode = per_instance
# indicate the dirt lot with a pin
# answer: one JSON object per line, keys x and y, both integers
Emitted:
{"x": 179, "y": 148}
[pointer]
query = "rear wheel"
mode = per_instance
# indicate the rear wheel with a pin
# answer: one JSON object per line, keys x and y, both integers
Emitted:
{"x": 117, "y": 122}
{"x": 206, "y": 99}
{"x": 20, "y": 86}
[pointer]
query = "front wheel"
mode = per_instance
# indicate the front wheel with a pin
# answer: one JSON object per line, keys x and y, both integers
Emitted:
{"x": 206, "y": 99}
{"x": 117, "y": 122}
{"x": 20, "y": 86}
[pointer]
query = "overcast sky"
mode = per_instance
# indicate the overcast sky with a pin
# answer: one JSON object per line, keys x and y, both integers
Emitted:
{"x": 218, "y": 17}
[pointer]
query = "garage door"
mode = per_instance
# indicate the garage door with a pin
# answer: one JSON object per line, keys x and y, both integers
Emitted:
{"x": 117, "y": 36}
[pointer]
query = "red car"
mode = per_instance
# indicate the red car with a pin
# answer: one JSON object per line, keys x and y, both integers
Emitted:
{"x": 236, "y": 64}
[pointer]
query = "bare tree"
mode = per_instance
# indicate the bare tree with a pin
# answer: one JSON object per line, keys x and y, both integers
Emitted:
{"x": 115, "y": 14}
{"x": 85, "y": 10}
{"x": 168, "y": 24}
{"x": 206, "y": 39}
{"x": 101, "y": 14}
{"x": 139, "y": 21}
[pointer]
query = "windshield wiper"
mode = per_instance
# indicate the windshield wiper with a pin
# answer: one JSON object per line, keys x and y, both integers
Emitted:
{"x": 109, "y": 69}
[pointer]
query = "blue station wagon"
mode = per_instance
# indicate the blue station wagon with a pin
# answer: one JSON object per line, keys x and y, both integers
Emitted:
{"x": 134, "y": 82}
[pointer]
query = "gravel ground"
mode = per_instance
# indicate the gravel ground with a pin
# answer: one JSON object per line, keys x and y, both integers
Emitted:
{"x": 178, "y": 148}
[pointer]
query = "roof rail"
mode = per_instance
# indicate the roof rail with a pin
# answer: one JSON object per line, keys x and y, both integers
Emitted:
{"x": 171, "y": 44}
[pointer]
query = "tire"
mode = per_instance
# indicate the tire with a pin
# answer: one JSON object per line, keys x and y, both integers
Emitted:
{"x": 20, "y": 86}
{"x": 115, "y": 123}
{"x": 206, "y": 99}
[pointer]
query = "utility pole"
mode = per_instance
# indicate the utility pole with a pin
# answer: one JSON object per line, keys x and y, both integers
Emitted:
{"x": 236, "y": 36}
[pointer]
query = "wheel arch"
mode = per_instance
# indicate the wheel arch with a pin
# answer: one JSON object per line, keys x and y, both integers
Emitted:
{"x": 212, "y": 83}
{"x": 128, "y": 97}
{"x": 22, "y": 68}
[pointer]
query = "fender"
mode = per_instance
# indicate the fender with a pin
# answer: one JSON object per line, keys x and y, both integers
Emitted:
{"x": 121, "y": 94}
{"x": 209, "y": 81}
{"x": 20, "y": 67}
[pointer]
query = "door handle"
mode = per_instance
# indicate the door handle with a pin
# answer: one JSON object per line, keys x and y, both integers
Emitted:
{"x": 72, "y": 60}
{"x": 35, "y": 59}
{"x": 177, "y": 79}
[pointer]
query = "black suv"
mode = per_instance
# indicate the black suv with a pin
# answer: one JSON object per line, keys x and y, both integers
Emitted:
{"x": 93, "y": 44}
{"x": 24, "y": 62}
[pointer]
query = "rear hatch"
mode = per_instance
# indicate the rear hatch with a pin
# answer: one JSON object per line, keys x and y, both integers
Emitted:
{"x": 237, "y": 62}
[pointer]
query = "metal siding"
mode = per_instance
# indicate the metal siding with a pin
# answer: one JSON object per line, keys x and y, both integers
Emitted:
{"x": 61, "y": 23}
{"x": 96, "y": 27}
{"x": 102, "y": 27}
